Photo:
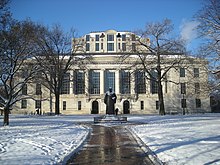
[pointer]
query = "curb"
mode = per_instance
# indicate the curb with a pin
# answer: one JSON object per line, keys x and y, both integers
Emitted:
{"x": 152, "y": 156}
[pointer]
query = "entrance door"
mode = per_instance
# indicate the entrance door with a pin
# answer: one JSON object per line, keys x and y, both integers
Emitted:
{"x": 95, "y": 107}
{"x": 126, "y": 106}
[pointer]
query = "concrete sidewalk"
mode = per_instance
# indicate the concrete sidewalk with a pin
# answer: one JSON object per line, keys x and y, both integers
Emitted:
{"x": 108, "y": 146}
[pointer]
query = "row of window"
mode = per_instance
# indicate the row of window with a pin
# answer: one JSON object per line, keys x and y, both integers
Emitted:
{"x": 109, "y": 81}
{"x": 38, "y": 104}
{"x": 111, "y": 37}
{"x": 111, "y": 46}
{"x": 183, "y": 72}
{"x": 196, "y": 87}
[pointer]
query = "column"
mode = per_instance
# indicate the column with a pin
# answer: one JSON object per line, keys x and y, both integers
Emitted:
{"x": 87, "y": 82}
{"x": 102, "y": 81}
{"x": 117, "y": 81}
{"x": 71, "y": 82}
{"x": 132, "y": 72}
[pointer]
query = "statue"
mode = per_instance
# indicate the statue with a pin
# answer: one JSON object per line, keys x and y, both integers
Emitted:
{"x": 110, "y": 100}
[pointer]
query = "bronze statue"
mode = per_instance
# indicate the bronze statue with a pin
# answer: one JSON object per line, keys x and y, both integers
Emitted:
{"x": 110, "y": 100}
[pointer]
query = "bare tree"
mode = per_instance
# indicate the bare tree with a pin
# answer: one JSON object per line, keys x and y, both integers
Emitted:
{"x": 55, "y": 57}
{"x": 15, "y": 50}
{"x": 209, "y": 30}
{"x": 158, "y": 54}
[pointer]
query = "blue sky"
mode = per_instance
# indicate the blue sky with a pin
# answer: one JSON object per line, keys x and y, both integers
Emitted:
{"x": 100, "y": 15}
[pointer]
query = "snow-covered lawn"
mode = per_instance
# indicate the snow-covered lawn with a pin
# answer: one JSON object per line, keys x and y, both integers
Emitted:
{"x": 41, "y": 139}
{"x": 190, "y": 139}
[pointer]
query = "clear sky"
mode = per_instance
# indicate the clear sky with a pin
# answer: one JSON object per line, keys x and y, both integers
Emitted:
{"x": 100, "y": 15}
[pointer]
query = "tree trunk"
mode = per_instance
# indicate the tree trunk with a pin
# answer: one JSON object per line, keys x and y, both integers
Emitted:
{"x": 161, "y": 101}
{"x": 57, "y": 103}
{"x": 6, "y": 116}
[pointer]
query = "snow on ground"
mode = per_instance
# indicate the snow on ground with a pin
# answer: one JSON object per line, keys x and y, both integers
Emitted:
{"x": 190, "y": 139}
{"x": 41, "y": 139}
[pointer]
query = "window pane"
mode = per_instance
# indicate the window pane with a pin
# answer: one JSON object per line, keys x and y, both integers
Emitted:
{"x": 24, "y": 89}
{"x": 142, "y": 105}
{"x": 96, "y": 46}
{"x": 140, "y": 85}
{"x": 79, "y": 105}
{"x": 87, "y": 46}
{"x": 123, "y": 37}
{"x": 66, "y": 84}
{"x": 110, "y": 37}
{"x": 133, "y": 47}
{"x": 183, "y": 102}
{"x": 196, "y": 72}
{"x": 109, "y": 80}
{"x": 110, "y": 46}
{"x": 197, "y": 88}
{"x": 97, "y": 37}
{"x": 38, "y": 104}
{"x": 124, "y": 46}
{"x": 24, "y": 104}
{"x": 153, "y": 81}
{"x": 79, "y": 82}
{"x": 182, "y": 72}
{"x": 94, "y": 79}
{"x": 64, "y": 105}
{"x": 125, "y": 82}
{"x": 87, "y": 37}
{"x": 183, "y": 88}
{"x": 38, "y": 89}
{"x": 198, "y": 103}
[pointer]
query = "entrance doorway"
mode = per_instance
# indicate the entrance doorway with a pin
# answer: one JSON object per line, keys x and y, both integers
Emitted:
{"x": 126, "y": 107}
{"x": 95, "y": 107}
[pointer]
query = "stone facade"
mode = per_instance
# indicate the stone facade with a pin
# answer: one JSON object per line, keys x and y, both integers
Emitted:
{"x": 185, "y": 87}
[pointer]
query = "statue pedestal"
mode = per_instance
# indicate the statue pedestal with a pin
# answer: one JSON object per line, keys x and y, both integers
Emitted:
{"x": 110, "y": 119}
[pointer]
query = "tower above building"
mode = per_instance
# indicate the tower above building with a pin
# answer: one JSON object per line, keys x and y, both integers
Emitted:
{"x": 111, "y": 41}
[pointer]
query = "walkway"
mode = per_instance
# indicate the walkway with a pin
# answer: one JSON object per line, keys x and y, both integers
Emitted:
{"x": 108, "y": 146}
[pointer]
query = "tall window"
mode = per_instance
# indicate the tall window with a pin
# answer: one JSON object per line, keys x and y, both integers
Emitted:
{"x": 183, "y": 88}
{"x": 37, "y": 103}
{"x": 157, "y": 105}
{"x": 133, "y": 47}
{"x": 109, "y": 80}
{"x": 87, "y": 46}
{"x": 110, "y": 46}
{"x": 64, "y": 105}
{"x": 196, "y": 72}
{"x": 182, "y": 72}
{"x": 79, "y": 105}
{"x": 124, "y": 82}
{"x": 153, "y": 81}
{"x": 96, "y": 46}
{"x": 24, "y": 89}
{"x": 79, "y": 82}
{"x": 23, "y": 103}
{"x": 94, "y": 85}
{"x": 66, "y": 84}
{"x": 87, "y": 37}
{"x": 133, "y": 38}
{"x": 197, "y": 88}
{"x": 38, "y": 89}
{"x": 183, "y": 102}
{"x": 96, "y": 37}
{"x": 123, "y": 37}
{"x": 110, "y": 37}
{"x": 142, "y": 105}
{"x": 140, "y": 84}
{"x": 198, "y": 103}
{"x": 123, "y": 46}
